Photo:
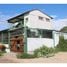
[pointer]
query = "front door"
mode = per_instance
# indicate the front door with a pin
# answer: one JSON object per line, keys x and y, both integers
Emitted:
{"x": 16, "y": 44}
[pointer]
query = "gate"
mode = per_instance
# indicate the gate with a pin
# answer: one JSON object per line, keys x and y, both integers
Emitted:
{"x": 16, "y": 44}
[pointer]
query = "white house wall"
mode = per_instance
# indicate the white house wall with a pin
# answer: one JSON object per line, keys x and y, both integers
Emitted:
{"x": 35, "y": 22}
{"x": 56, "y": 37}
{"x": 7, "y": 48}
{"x": 34, "y": 43}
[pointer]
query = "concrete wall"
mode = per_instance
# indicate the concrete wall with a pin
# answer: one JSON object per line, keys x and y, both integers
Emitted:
{"x": 7, "y": 48}
{"x": 35, "y": 22}
{"x": 34, "y": 43}
{"x": 56, "y": 38}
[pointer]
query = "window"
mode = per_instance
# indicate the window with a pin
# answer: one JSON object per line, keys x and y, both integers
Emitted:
{"x": 48, "y": 20}
{"x": 41, "y": 18}
{"x": 39, "y": 33}
{"x": 32, "y": 33}
{"x": 5, "y": 37}
{"x": 46, "y": 34}
{"x": 18, "y": 31}
{"x": 26, "y": 19}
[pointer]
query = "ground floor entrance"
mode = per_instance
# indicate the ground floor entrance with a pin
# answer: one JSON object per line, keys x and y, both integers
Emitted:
{"x": 16, "y": 44}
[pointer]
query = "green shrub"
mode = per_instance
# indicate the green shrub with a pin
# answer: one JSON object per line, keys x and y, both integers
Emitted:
{"x": 62, "y": 46}
{"x": 40, "y": 52}
{"x": 43, "y": 51}
{"x": 25, "y": 55}
{"x": 1, "y": 54}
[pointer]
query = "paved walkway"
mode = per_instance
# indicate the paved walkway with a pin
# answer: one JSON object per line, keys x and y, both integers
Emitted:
{"x": 60, "y": 57}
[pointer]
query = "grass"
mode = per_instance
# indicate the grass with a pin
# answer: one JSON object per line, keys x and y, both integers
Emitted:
{"x": 25, "y": 56}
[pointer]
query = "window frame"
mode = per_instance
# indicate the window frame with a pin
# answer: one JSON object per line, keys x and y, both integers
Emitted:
{"x": 41, "y": 18}
{"x": 40, "y": 33}
{"x": 47, "y": 20}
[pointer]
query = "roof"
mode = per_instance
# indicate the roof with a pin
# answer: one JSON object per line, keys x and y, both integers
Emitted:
{"x": 19, "y": 17}
{"x": 4, "y": 30}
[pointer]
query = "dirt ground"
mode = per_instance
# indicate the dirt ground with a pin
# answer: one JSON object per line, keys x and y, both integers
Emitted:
{"x": 60, "y": 57}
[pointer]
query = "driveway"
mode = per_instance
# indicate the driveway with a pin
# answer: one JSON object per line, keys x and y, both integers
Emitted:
{"x": 60, "y": 57}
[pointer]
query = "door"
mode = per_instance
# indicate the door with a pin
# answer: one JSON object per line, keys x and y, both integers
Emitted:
{"x": 16, "y": 44}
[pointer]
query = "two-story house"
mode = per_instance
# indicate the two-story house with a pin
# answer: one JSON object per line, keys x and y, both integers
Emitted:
{"x": 31, "y": 30}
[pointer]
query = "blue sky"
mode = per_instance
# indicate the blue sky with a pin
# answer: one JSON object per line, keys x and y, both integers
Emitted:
{"x": 58, "y": 11}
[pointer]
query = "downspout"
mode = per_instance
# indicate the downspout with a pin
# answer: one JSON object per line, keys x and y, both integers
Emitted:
{"x": 54, "y": 41}
{"x": 25, "y": 37}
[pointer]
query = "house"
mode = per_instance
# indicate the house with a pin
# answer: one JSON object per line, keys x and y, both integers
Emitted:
{"x": 31, "y": 30}
{"x": 63, "y": 32}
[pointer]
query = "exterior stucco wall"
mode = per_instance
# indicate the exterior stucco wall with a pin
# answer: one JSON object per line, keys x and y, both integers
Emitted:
{"x": 56, "y": 38}
{"x": 35, "y": 22}
{"x": 57, "y": 35}
{"x": 34, "y": 43}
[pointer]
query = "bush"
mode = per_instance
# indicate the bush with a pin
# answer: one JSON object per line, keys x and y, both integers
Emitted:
{"x": 40, "y": 52}
{"x": 62, "y": 46}
{"x": 1, "y": 53}
{"x": 44, "y": 51}
{"x": 25, "y": 55}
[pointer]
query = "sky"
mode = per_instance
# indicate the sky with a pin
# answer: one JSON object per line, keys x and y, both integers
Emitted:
{"x": 57, "y": 11}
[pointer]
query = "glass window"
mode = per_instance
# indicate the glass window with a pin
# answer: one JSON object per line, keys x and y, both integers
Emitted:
{"x": 39, "y": 33}
{"x": 5, "y": 37}
{"x": 46, "y": 34}
{"x": 48, "y": 20}
{"x": 26, "y": 19}
{"x": 32, "y": 33}
{"x": 41, "y": 18}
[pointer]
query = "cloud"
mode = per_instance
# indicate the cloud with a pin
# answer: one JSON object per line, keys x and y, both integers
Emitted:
{"x": 54, "y": 16}
{"x": 3, "y": 21}
{"x": 60, "y": 23}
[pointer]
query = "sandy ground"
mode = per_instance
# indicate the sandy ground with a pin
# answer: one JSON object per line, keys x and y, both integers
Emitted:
{"x": 60, "y": 57}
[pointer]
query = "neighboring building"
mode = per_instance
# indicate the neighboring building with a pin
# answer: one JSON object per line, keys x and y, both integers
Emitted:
{"x": 63, "y": 32}
{"x": 30, "y": 31}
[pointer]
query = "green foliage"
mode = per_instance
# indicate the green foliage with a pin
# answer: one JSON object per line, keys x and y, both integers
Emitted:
{"x": 44, "y": 51}
{"x": 2, "y": 53}
{"x": 40, "y": 52}
{"x": 25, "y": 56}
{"x": 62, "y": 46}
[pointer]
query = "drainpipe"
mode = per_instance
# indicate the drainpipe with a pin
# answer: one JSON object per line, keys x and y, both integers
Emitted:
{"x": 54, "y": 41}
{"x": 25, "y": 38}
